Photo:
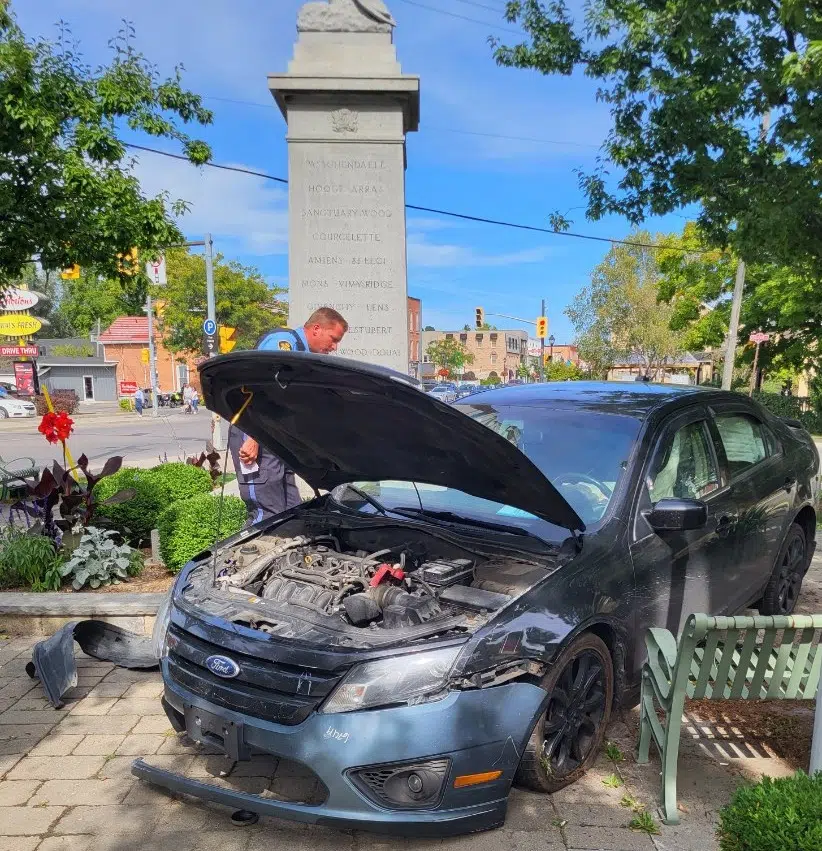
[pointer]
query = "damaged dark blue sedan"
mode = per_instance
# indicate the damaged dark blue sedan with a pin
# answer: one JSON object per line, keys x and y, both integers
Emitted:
{"x": 464, "y": 606}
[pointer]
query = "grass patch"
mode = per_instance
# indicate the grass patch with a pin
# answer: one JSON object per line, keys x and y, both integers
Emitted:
{"x": 631, "y": 803}
{"x": 612, "y": 781}
{"x": 644, "y": 822}
{"x": 613, "y": 752}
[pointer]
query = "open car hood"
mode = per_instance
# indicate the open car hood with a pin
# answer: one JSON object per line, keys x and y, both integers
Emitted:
{"x": 334, "y": 421}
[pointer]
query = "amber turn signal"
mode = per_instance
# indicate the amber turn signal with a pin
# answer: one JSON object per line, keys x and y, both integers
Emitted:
{"x": 474, "y": 779}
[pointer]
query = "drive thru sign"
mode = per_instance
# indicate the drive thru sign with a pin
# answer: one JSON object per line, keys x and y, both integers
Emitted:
{"x": 156, "y": 271}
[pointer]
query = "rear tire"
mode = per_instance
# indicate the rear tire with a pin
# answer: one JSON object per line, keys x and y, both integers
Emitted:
{"x": 783, "y": 589}
{"x": 3, "y": 414}
{"x": 568, "y": 735}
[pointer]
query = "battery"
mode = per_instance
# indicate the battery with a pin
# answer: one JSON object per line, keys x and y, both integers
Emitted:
{"x": 441, "y": 574}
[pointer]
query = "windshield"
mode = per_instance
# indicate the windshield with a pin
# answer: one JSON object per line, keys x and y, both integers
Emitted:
{"x": 582, "y": 452}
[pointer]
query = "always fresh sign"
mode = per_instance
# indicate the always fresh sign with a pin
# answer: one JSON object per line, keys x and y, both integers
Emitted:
{"x": 19, "y": 325}
{"x": 17, "y": 299}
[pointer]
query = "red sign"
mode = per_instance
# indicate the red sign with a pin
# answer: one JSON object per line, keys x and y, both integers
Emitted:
{"x": 19, "y": 351}
{"x": 759, "y": 337}
{"x": 24, "y": 378}
{"x": 128, "y": 388}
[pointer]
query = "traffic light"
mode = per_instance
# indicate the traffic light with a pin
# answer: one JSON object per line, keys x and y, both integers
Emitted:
{"x": 71, "y": 274}
{"x": 227, "y": 338}
{"x": 480, "y": 317}
{"x": 128, "y": 263}
{"x": 542, "y": 327}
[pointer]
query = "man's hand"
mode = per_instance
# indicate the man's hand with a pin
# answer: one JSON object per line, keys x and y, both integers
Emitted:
{"x": 249, "y": 451}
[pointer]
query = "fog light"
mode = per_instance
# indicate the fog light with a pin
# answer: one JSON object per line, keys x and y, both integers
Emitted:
{"x": 412, "y": 786}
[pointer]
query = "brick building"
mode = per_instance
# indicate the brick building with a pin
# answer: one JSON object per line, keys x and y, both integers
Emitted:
{"x": 500, "y": 352}
{"x": 414, "y": 331}
{"x": 124, "y": 342}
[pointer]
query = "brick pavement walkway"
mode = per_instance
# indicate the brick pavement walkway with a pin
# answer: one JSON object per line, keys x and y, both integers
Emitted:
{"x": 66, "y": 781}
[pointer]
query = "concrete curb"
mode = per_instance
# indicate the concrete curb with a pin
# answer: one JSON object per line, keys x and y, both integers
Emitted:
{"x": 30, "y": 613}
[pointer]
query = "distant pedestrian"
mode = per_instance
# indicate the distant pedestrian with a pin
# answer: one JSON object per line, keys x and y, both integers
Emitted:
{"x": 187, "y": 399}
{"x": 195, "y": 400}
{"x": 139, "y": 401}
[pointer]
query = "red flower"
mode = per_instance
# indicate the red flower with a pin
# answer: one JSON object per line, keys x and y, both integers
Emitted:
{"x": 56, "y": 428}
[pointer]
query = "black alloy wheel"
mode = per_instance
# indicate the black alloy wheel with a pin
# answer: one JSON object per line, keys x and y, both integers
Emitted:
{"x": 567, "y": 737}
{"x": 782, "y": 592}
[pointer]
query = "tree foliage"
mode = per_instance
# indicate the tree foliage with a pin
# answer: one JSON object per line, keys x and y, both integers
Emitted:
{"x": 618, "y": 315}
{"x": 92, "y": 297}
{"x": 687, "y": 84}
{"x": 68, "y": 192}
{"x": 243, "y": 300}
{"x": 449, "y": 354}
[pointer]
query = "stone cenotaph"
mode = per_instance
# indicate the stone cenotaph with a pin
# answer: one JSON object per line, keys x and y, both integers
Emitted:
{"x": 348, "y": 107}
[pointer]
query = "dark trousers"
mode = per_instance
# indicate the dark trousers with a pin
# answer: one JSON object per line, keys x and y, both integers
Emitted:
{"x": 269, "y": 491}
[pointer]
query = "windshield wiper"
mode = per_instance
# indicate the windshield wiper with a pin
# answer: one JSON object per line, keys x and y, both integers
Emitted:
{"x": 451, "y": 517}
{"x": 369, "y": 499}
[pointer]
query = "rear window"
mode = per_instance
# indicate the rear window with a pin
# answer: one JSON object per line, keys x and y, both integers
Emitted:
{"x": 745, "y": 441}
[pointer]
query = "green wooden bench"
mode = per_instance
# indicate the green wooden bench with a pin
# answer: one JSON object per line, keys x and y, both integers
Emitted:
{"x": 722, "y": 658}
{"x": 15, "y": 471}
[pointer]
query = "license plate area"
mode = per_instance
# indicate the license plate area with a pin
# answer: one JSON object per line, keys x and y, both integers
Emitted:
{"x": 217, "y": 732}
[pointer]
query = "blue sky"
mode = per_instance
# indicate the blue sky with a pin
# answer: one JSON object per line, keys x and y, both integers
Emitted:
{"x": 492, "y": 142}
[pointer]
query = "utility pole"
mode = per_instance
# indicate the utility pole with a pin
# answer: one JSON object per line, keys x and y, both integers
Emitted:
{"x": 152, "y": 358}
{"x": 209, "y": 262}
{"x": 542, "y": 347}
{"x": 739, "y": 287}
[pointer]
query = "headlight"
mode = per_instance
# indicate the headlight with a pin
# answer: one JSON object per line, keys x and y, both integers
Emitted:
{"x": 160, "y": 631}
{"x": 400, "y": 679}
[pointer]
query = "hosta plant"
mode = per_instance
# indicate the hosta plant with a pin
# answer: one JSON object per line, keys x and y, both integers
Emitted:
{"x": 100, "y": 560}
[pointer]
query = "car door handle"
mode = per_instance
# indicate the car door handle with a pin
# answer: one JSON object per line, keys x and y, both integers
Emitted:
{"x": 725, "y": 524}
{"x": 790, "y": 481}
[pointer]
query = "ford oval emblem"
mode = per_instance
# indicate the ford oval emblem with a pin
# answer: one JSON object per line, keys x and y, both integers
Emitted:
{"x": 222, "y": 666}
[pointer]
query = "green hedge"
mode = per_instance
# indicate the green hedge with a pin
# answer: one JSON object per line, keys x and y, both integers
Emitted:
{"x": 774, "y": 815}
{"x": 791, "y": 406}
{"x": 189, "y": 526}
{"x": 181, "y": 481}
{"x": 136, "y": 517}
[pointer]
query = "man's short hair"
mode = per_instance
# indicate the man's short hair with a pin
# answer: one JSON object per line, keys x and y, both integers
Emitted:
{"x": 326, "y": 316}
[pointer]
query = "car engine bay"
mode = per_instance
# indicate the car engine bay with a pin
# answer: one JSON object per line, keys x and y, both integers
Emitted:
{"x": 388, "y": 589}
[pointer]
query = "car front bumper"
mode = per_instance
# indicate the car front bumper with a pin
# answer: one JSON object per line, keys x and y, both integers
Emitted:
{"x": 476, "y": 731}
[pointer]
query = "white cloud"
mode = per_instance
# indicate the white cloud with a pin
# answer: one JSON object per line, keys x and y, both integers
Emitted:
{"x": 422, "y": 253}
{"x": 250, "y": 211}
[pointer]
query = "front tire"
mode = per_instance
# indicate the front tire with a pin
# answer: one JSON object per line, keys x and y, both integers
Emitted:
{"x": 3, "y": 414}
{"x": 567, "y": 736}
{"x": 783, "y": 589}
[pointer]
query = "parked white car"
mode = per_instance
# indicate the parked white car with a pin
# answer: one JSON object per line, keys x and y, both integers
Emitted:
{"x": 11, "y": 407}
{"x": 444, "y": 393}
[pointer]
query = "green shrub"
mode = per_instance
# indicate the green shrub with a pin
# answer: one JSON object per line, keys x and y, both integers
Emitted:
{"x": 181, "y": 481}
{"x": 189, "y": 526}
{"x": 27, "y": 559}
{"x": 98, "y": 560}
{"x": 774, "y": 815}
{"x": 135, "y": 518}
{"x": 126, "y": 405}
{"x": 791, "y": 407}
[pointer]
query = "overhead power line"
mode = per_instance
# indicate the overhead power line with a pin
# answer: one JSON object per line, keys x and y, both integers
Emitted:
{"x": 448, "y": 213}
{"x": 464, "y": 17}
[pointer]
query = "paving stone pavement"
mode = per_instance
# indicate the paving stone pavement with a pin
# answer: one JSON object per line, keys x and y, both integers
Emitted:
{"x": 66, "y": 783}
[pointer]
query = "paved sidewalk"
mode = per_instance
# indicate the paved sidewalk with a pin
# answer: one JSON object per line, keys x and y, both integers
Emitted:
{"x": 66, "y": 782}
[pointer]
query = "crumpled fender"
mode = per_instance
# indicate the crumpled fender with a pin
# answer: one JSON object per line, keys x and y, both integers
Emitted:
{"x": 52, "y": 660}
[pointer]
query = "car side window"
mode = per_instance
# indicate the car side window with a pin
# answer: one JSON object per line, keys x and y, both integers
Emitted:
{"x": 684, "y": 466}
{"x": 744, "y": 440}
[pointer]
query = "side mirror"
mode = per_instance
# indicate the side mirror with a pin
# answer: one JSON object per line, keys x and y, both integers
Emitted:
{"x": 677, "y": 515}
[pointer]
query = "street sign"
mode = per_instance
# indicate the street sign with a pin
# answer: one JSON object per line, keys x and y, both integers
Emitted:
{"x": 209, "y": 343}
{"x": 25, "y": 378}
{"x": 542, "y": 327}
{"x": 128, "y": 388}
{"x": 17, "y": 299}
{"x": 209, "y": 327}
{"x": 227, "y": 339}
{"x": 19, "y": 351}
{"x": 145, "y": 355}
{"x": 156, "y": 271}
{"x": 19, "y": 325}
{"x": 759, "y": 337}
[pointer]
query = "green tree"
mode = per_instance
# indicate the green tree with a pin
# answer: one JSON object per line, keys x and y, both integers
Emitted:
{"x": 49, "y": 287}
{"x": 243, "y": 300}
{"x": 449, "y": 354}
{"x": 92, "y": 297}
{"x": 68, "y": 193}
{"x": 619, "y": 315}
{"x": 687, "y": 84}
{"x": 558, "y": 370}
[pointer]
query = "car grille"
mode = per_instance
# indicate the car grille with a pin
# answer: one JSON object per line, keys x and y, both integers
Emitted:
{"x": 273, "y": 691}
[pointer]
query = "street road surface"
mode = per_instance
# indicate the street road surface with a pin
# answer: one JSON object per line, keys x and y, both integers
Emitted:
{"x": 142, "y": 441}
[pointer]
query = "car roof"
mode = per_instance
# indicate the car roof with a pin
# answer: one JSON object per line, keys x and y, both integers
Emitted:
{"x": 631, "y": 398}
